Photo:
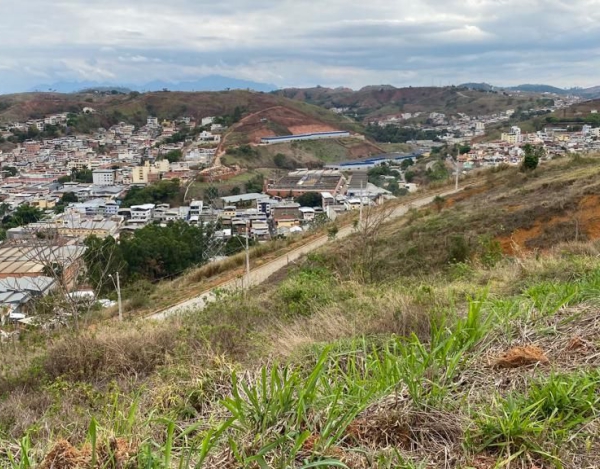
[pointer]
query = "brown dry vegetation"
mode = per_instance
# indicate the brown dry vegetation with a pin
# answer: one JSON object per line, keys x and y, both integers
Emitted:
{"x": 374, "y": 101}
{"x": 514, "y": 211}
{"x": 165, "y": 105}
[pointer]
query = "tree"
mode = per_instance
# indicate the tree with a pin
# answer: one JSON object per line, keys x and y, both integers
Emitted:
{"x": 438, "y": 172}
{"x": 156, "y": 252}
{"x": 236, "y": 244}
{"x": 83, "y": 175}
{"x": 255, "y": 184}
{"x": 282, "y": 161}
{"x": 173, "y": 156}
{"x": 103, "y": 257}
{"x": 439, "y": 202}
{"x": 365, "y": 245}
{"x": 235, "y": 190}
{"x": 374, "y": 174}
{"x": 4, "y": 209}
{"x": 69, "y": 197}
{"x": 66, "y": 199}
{"x": 11, "y": 170}
{"x": 395, "y": 188}
{"x": 23, "y": 215}
{"x": 165, "y": 191}
{"x": 532, "y": 157}
{"x": 406, "y": 164}
{"x": 310, "y": 199}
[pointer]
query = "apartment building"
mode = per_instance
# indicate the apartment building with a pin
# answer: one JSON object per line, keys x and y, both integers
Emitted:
{"x": 142, "y": 213}
{"x": 104, "y": 177}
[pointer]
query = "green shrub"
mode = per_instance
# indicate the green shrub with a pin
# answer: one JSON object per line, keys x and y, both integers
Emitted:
{"x": 458, "y": 249}
{"x": 306, "y": 290}
{"x": 489, "y": 251}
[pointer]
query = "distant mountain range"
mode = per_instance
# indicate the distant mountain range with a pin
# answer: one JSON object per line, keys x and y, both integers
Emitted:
{"x": 587, "y": 93}
{"x": 208, "y": 83}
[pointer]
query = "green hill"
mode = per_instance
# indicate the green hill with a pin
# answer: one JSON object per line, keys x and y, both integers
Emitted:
{"x": 464, "y": 334}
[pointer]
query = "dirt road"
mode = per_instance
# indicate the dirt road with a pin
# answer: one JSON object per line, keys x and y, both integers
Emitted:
{"x": 260, "y": 274}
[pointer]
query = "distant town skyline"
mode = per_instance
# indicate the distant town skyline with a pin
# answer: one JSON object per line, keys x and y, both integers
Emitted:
{"x": 297, "y": 43}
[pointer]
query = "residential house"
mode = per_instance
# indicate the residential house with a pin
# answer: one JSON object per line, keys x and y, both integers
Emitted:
{"x": 142, "y": 214}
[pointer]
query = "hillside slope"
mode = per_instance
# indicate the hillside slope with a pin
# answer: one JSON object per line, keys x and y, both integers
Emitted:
{"x": 585, "y": 93}
{"x": 262, "y": 115}
{"x": 426, "y": 342}
{"x": 575, "y": 115}
{"x": 375, "y": 101}
{"x": 136, "y": 107}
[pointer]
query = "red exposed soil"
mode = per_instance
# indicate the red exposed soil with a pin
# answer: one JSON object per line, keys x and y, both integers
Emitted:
{"x": 267, "y": 122}
{"x": 587, "y": 217}
{"x": 522, "y": 356}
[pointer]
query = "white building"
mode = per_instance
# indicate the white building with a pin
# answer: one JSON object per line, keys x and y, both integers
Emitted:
{"x": 142, "y": 213}
{"x": 195, "y": 208}
{"x": 103, "y": 177}
{"x": 207, "y": 121}
{"x": 205, "y": 136}
{"x": 111, "y": 208}
{"x": 152, "y": 121}
{"x": 308, "y": 213}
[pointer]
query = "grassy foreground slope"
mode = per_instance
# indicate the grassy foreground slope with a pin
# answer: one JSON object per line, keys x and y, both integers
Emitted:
{"x": 421, "y": 343}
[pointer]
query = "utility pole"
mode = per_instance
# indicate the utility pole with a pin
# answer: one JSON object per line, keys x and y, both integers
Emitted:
{"x": 119, "y": 298}
{"x": 118, "y": 285}
{"x": 360, "y": 213}
{"x": 456, "y": 184}
{"x": 247, "y": 254}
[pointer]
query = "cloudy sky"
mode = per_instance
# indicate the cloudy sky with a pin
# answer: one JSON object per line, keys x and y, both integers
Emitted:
{"x": 300, "y": 42}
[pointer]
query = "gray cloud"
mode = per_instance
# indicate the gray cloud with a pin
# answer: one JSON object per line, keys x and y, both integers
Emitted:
{"x": 301, "y": 42}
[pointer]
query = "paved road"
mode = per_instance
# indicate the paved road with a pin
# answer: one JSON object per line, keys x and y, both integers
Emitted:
{"x": 260, "y": 274}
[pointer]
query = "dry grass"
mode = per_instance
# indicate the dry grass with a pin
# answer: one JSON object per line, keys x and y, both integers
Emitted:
{"x": 114, "y": 454}
{"x": 392, "y": 422}
{"x": 94, "y": 356}
{"x": 366, "y": 314}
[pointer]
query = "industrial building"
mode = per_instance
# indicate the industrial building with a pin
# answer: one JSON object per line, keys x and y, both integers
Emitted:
{"x": 303, "y": 181}
{"x": 311, "y": 136}
{"x": 369, "y": 162}
{"x": 31, "y": 260}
